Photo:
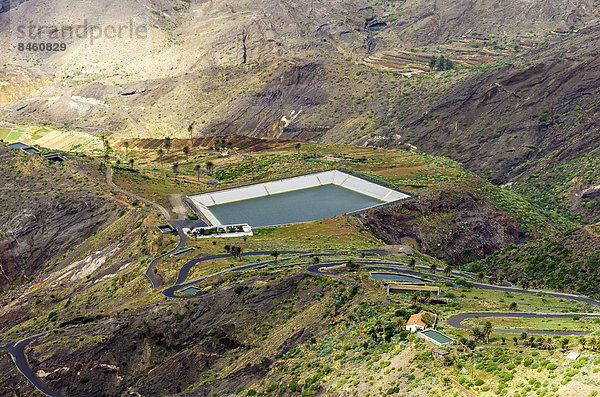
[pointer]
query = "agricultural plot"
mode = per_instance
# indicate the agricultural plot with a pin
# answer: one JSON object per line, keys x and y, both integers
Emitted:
{"x": 14, "y": 136}
{"x": 4, "y": 132}
{"x": 574, "y": 323}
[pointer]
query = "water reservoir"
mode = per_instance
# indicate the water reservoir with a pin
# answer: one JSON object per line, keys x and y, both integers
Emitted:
{"x": 294, "y": 200}
{"x": 190, "y": 290}
{"x": 292, "y": 207}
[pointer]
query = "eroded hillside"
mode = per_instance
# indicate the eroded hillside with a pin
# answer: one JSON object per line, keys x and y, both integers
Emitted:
{"x": 46, "y": 209}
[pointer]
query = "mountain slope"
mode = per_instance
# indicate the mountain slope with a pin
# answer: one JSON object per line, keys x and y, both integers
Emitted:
{"x": 46, "y": 209}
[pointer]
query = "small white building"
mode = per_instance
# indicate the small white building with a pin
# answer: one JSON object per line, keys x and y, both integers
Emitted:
{"x": 572, "y": 356}
{"x": 239, "y": 230}
{"x": 415, "y": 323}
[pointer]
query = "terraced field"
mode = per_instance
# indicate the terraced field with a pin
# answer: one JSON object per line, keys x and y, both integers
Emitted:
{"x": 52, "y": 139}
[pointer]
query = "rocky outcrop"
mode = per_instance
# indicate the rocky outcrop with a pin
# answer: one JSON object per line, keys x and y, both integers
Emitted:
{"x": 36, "y": 222}
{"x": 162, "y": 348}
{"x": 16, "y": 83}
{"x": 452, "y": 224}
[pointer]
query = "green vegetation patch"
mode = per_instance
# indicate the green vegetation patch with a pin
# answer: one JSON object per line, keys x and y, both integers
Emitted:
{"x": 13, "y": 136}
{"x": 539, "y": 324}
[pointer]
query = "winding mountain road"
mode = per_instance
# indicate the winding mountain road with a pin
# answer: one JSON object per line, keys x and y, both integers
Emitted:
{"x": 184, "y": 271}
{"x": 150, "y": 271}
{"x": 457, "y": 319}
{"x": 178, "y": 225}
{"x": 17, "y": 352}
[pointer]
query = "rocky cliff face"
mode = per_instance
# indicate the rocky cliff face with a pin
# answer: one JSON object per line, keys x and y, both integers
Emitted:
{"x": 503, "y": 120}
{"x": 18, "y": 83}
{"x": 454, "y": 224}
{"x": 46, "y": 210}
{"x": 162, "y": 348}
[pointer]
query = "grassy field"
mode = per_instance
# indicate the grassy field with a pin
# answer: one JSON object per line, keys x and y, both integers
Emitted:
{"x": 13, "y": 136}
{"x": 471, "y": 299}
{"x": 539, "y": 324}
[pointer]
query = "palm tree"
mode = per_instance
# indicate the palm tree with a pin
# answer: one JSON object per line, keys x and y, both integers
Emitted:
{"x": 176, "y": 169}
{"x": 412, "y": 264}
{"x": 197, "y": 169}
{"x": 275, "y": 254}
{"x": 160, "y": 156}
{"x": 414, "y": 298}
{"x": 191, "y": 129}
{"x": 186, "y": 151}
{"x": 426, "y": 297}
{"x": 297, "y": 146}
{"x": 448, "y": 270}
{"x": 237, "y": 252}
{"x": 593, "y": 343}
{"x": 487, "y": 330}
{"x": 210, "y": 166}
{"x": 126, "y": 144}
{"x": 167, "y": 143}
{"x": 478, "y": 334}
{"x": 131, "y": 161}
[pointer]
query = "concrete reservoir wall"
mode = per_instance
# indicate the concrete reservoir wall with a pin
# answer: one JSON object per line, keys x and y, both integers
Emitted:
{"x": 335, "y": 177}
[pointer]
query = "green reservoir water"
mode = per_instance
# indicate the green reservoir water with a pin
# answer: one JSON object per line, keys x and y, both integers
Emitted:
{"x": 190, "y": 290}
{"x": 437, "y": 336}
{"x": 292, "y": 207}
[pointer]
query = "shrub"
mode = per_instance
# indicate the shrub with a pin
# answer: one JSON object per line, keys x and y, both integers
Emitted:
{"x": 238, "y": 289}
{"x": 461, "y": 281}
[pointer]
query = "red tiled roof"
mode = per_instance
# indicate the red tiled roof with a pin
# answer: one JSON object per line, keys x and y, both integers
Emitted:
{"x": 417, "y": 319}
